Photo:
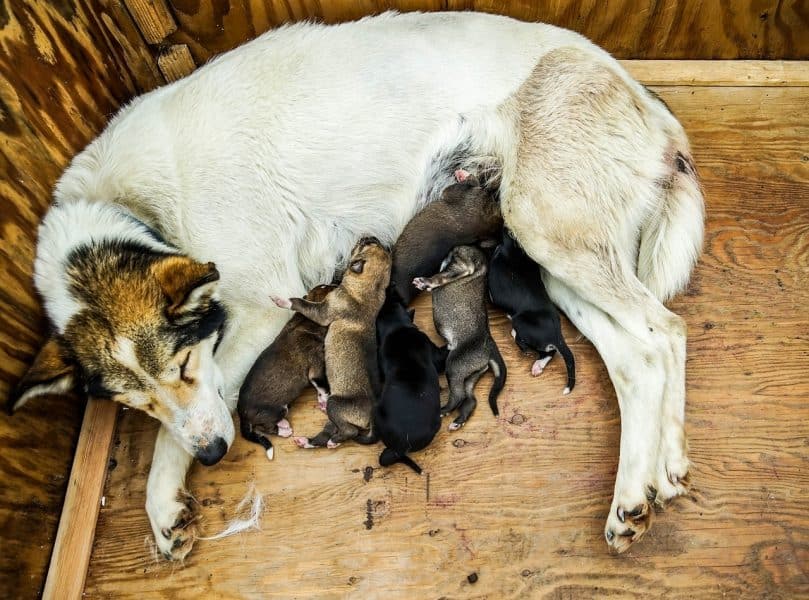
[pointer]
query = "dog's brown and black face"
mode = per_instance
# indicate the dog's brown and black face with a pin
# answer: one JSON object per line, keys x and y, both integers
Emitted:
{"x": 142, "y": 331}
{"x": 369, "y": 265}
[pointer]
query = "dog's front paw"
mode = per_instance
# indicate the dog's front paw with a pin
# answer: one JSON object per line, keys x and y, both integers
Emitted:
{"x": 626, "y": 524}
{"x": 281, "y": 302}
{"x": 422, "y": 283}
{"x": 174, "y": 526}
{"x": 539, "y": 366}
{"x": 302, "y": 442}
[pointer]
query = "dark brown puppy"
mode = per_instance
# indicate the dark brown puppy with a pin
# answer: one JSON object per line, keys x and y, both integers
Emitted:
{"x": 465, "y": 214}
{"x": 459, "y": 313}
{"x": 279, "y": 375}
{"x": 350, "y": 347}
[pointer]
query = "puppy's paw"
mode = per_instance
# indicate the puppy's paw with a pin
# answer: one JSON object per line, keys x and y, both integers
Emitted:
{"x": 627, "y": 524}
{"x": 423, "y": 284}
{"x": 302, "y": 442}
{"x": 322, "y": 401}
{"x": 281, "y": 302}
{"x": 461, "y": 175}
{"x": 455, "y": 426}
{"x": 284, "y": 428}
{"x": 174, "y": 526}
{"x": 539, "y": 366}
{"x": 331, "y": 444}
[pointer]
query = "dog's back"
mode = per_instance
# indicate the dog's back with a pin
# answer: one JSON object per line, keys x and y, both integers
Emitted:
{"x": 465, "y": 213}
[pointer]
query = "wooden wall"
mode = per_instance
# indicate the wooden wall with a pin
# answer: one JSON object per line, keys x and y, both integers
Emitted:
{"x": 65, "y": 67}
{"x": 710, "y": 29}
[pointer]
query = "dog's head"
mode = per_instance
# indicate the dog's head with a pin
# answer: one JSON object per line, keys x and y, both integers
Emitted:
{"x": 139, "y": 326}
{"x": 368, "y": 268}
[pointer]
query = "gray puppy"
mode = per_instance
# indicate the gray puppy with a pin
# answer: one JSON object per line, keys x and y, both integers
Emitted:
{"x": 459, "y": 313}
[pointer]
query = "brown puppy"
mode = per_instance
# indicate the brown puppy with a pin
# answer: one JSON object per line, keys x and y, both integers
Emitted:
{"x": 466, "y": 213}
{"x": 279, "y": 375}
{"x": 350, "y": 347}
{"x": 459, "y": 314}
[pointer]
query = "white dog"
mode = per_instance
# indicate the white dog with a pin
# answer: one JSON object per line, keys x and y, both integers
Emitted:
{"x": 272, "y": 160}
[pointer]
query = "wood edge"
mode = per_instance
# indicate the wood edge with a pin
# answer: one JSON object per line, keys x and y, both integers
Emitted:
{"x": 153, "y": 18}
{"x": 176, "y": 62}
{"x": 720, "y": 73}
{"x": 72, "y": 548}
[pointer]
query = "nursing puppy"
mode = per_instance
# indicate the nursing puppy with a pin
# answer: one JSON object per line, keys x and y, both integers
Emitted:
{"x": 408, "y": 414}
{"x": 464, "y": 214}
{"x": 459, "y": 313}
{"x": 515, "y": 286}
{"x": 279, "y": 375}
{"x": 349, "y": 312}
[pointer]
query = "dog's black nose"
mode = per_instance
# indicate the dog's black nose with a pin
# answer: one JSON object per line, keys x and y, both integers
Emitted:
{"x": 213, "y": 452}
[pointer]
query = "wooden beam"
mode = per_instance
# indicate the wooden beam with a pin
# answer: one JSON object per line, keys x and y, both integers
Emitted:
{"x": 720, "y": 73}
{"x": 176, "y": 62}
{"x": 154, "y": 19}
{"x": 74, "y": 539}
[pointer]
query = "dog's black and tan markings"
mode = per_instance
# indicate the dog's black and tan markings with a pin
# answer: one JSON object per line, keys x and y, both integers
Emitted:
{"x": 282, "y": 371}
{"x": 515, "y": 286}
{"x": 349, "y": 312}
{"x": 459, "y": 313}
{"x": 408, "y": 414}
{"x": 464, "y": 214}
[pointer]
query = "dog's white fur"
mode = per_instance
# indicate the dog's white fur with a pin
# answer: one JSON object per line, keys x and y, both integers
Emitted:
{"x": 273, "y": 159}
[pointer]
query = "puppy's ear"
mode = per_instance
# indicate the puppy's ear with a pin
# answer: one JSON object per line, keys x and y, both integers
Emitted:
{"x": 50, "y": 373}
{"x": 189, "y": 286}
{"x": 411, "y": 312}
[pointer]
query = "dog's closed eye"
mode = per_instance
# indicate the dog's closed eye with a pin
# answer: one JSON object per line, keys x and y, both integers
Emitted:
{"x": 357, "y": 266}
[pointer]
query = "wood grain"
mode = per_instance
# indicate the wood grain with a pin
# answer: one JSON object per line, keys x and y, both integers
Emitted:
{"x": 65, "y": 67}
{"x": 153, "y": 17}
{"x": 667, "y": 29}
{"x": 750, "y": 73}
{"x": 521, "y": 500}
{"x": 176, "y": 62}
{"x": 74, "y": 539}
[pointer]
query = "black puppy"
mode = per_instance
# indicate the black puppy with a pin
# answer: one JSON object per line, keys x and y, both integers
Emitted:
{"x": 515, "y": 286}
{"x": 408, "y": 414}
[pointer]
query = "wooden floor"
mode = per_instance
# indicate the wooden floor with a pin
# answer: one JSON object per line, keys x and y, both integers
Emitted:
{"x": 520, "y": 501}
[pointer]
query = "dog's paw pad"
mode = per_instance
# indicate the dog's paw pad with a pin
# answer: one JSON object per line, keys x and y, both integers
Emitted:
{"x": 455, "y": 426}
{"x": 302, "y": 442}
{"x": 331, "y": 444}
{"x": 178, "y": 539}
{"x": 281, "y": 302}
{"x": 284, "y": 428}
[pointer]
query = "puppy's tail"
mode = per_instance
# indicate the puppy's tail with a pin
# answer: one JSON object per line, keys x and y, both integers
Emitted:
{"x": 251, "y": 435}
{"x": 390, "y": 457}
{"x": 671, "y": 238}
{"x": 498, "y": 367}
{"x": 570, "y": 364}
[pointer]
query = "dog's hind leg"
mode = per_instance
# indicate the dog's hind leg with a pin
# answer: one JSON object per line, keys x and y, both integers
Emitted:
{"x": 469, "y": 403}
{"x": 320, "y": 440}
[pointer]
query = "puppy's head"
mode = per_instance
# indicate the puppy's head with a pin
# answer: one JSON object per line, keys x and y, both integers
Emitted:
{"x": 465, "y": 261}
{"x": 140, "y": 328}
{"x": 369, "y": 266}
{"x": 319, "y": 292}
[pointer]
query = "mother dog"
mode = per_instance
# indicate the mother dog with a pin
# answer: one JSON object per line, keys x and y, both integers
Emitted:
{"x": 256, "y": 174}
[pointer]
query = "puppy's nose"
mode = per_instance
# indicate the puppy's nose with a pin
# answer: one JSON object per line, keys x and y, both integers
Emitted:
{"x": 213, "y": 452}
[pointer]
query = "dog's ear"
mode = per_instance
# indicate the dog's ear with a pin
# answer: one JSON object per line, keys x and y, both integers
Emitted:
{"x": 411, "y": 312}
{"x": 50, "y": 373}
{"x": 189, "y": 286}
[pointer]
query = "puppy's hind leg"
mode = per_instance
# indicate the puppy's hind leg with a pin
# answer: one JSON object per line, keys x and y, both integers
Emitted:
{"x": 320, "y": 440}
{"x": 251, "y": 435}
{"x": 470, "y": 402}
{"x": 390, "y": 457}
{"x": 570, "y": 364}
{"x": 498, "y": 367}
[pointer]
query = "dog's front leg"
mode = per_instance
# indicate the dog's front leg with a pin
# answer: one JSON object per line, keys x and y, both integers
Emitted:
{"x": 168, "y": 505}
{"x": 314, "y": 311}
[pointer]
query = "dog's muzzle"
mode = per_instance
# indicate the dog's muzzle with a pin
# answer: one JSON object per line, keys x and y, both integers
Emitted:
{"x": 213, "y": 452}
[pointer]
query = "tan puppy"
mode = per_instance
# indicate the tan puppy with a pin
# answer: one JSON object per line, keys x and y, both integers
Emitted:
{"x": 350, "y": 348}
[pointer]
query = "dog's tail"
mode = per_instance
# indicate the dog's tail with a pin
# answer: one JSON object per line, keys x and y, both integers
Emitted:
{"x": 390, "y": 457}
{"x": 251, "y": 435}
{"x": 671, "y": 238}
{"x": 570, "y": 364}
{"x": 498, "y": 367}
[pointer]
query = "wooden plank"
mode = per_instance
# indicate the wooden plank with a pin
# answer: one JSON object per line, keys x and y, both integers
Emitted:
{"x": 665, "y": 29}
{"x": 176, "y": 62}
{"x": 62, "y": 74}
{"x": 153, "y": 18}
{"x": 767, "y": 73}
{"x": 521, "y": 500}
{"x": 74, "y": 539}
